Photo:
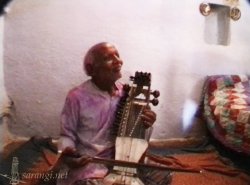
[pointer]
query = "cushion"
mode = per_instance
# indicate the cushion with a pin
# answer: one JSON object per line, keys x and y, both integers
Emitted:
{"x": 227, "y": 111}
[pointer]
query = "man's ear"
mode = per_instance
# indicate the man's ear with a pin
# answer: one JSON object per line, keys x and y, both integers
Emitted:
{"x": 89, "y": 69}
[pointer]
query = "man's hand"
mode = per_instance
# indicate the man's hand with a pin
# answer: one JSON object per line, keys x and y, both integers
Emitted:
{"x": 73, "y": 159}
{"x": 148, "y": 117}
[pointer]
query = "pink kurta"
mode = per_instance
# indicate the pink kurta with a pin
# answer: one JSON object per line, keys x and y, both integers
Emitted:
{"x": 86, "y": 123}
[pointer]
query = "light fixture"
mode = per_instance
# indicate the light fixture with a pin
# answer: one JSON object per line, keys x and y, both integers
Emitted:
{"x": 205, "y": 9}
{"x": 235, "y": 13}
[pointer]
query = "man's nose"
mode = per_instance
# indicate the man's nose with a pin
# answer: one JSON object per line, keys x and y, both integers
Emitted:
{"x": 117, "y": 61}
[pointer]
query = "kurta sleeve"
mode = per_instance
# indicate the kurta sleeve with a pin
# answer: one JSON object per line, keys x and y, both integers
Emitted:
{"x": 69, "y": 122}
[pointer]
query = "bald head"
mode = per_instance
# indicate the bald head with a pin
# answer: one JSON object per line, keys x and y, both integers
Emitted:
{"x": 93, "y": 55}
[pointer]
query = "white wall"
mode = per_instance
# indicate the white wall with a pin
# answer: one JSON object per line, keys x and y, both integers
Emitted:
{"x": 2, "y": 89}
{"x": 45, "y": 42}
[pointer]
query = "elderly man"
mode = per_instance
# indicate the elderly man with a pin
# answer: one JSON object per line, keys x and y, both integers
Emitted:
{"x": 88, "y": 115}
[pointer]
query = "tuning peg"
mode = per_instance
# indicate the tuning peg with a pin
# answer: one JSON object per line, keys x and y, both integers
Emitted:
{"x": 154, "y": 101}
{"x": 132, "y": 78}
{"x": 126, "y": 87}
{"x": 155, "y": 93}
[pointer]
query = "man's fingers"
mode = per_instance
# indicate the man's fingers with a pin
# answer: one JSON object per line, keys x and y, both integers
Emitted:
{"x": 148, "y": 115}
{"x": 69, "y": 150}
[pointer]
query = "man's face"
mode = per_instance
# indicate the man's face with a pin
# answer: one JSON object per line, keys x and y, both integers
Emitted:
{"x": 107, "y": 66}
